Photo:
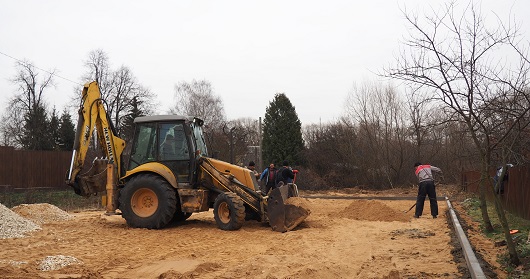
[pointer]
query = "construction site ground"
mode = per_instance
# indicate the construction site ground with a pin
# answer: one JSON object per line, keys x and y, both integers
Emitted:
{"x": 342, "y": 238}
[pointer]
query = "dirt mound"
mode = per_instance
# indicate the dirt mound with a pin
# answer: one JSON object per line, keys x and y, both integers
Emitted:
{"x": 42, "y": 213}
{"x": 13, "y": 225}
{"x": 297, "y": 201}
{"x": 371, "y": 210}
{"x": 394, "y": 274}
{"x": 202, "y": 268}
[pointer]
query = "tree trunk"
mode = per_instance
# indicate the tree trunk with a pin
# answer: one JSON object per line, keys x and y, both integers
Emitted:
{"x": 484, "y": 177}
{"x": 514, "y": 258}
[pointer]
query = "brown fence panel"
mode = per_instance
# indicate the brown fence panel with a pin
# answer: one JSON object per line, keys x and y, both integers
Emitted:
{"x": 6, "y": 166}
{"x": 33, "y": 169}
{"x": 470, "y": 181}
{"x": 516, "y": 197}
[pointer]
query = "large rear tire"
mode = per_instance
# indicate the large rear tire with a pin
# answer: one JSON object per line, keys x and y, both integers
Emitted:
{"x": 148, "y": 201}
{"x": 229, "y": 211}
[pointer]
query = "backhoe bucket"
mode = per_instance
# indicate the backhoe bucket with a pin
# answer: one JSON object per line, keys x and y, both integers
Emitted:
{"x": 285, "y": 208}
{"x": 93, "y": 181}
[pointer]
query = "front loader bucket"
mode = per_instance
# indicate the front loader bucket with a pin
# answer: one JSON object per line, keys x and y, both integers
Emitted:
{"x": 285, "y": 209}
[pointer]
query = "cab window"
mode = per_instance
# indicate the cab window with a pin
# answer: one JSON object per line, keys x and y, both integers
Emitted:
{"x": 144, "y": 148}
{"x": 173, "y": 143}
{"x": 173, "y": 150}
{"x": 200, "y": 143}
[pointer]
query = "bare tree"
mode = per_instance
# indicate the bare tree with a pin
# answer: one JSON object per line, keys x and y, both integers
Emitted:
{"x": 246, "y": 140}
{"x": 24, "y": 122}
{"x": 120, "y": 89}
{"x": 11, "y": 127}
{"x": 196, "y": 98}
{"x": 238, "y": 139}
{"x": 125, "y": 91}
{"x": 377, "y": 112}
{"x": 98, "y": 67}
{"x": 334, "y": 156}
{"x": 421, "y": 121}
{"x": 455, "y": 56}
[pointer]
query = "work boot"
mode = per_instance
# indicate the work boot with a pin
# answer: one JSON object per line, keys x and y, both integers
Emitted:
{"x": 416, "y": 216}
{"x": 434, "y": 216}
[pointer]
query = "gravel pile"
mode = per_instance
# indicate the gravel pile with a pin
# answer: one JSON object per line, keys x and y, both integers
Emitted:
{"x": 56, "y": 262}
{"x": 42, "y": 213}
{"x": 13, "y": 225}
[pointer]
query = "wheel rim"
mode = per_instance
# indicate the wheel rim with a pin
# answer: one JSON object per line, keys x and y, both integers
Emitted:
{"x": 224, "y": 212}
{"x": 144, "y": 202}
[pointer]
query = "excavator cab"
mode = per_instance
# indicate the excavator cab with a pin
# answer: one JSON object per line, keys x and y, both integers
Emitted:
{"x": 170, "y": 140}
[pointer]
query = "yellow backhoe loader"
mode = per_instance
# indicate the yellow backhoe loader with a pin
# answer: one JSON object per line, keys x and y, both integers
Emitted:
{"x": 166, "y": 176}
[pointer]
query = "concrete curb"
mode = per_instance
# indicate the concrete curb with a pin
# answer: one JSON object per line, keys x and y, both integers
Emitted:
{"x": 366, "y": 198}
{"x": 472, "y": 262}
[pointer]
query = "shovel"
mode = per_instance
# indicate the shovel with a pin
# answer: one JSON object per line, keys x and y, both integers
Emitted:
{"x": 410, "y": 208}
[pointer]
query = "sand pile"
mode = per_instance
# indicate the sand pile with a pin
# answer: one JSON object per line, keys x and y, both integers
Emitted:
{"x": 13, "y": 225}
{"x": 42, "y": 213}
{"x": 371, "y": 210}
{"x": 298, "y": 201}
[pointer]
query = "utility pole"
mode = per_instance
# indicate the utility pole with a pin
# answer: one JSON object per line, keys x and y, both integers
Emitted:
{"x": 232, "y": 145}
{"x": 260, "y": 160}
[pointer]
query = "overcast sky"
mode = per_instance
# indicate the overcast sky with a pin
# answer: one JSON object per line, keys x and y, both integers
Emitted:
{"x": 313, "y": 51}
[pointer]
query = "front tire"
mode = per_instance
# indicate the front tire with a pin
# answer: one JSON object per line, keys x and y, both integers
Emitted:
{"x": 229, "y": 211}
{"x": 148, "y": 201}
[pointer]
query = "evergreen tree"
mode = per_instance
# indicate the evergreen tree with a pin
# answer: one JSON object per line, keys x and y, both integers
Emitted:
{"x": 54, "y": 130}
{"x": 36, "y": 133}
{"x": 66, "y": 132}
{"x": 282, "y": 132}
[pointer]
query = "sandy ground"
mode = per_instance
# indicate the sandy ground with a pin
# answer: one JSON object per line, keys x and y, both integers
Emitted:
{"x": 341, "y": 239}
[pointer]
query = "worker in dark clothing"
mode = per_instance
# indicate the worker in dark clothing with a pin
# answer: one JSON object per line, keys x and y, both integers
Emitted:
{"x": 252, "y": 167}
{"x": 426, "y": 188}
{"x": 285, "y": 174}
{"x": 499, "y": 185}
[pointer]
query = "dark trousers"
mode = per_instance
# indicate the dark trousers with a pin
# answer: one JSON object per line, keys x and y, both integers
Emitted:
{"x": 268, "y": 187}
{"x": 499, "y": 189}
{"x": 426, "y": 189}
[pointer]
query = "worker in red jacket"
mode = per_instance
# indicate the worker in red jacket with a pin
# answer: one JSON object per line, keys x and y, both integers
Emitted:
{"x": 426, "y": 188}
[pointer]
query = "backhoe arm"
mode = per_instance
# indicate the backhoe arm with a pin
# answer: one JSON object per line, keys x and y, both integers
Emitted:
{"x": 93, "y": 116}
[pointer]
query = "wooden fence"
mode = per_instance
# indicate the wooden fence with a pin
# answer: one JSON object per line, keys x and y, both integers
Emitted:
{"x": 516, "y": 197}
{"x": 23, "y": 169}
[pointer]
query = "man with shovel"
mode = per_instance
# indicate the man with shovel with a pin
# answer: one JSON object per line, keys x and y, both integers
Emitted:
{"x": 426, "y": 188}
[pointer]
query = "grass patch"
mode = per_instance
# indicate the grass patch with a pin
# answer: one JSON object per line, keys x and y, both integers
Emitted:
{"x": 472, "y": 207}
{"x": 65, "y": 199}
